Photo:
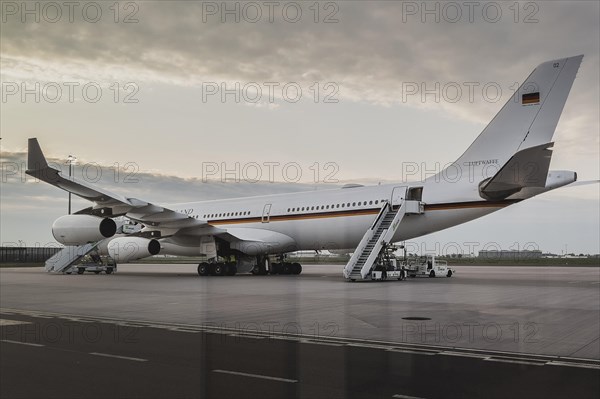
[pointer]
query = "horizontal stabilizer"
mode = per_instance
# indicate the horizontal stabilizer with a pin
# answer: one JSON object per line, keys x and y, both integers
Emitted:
{"x": 527, "y": 168}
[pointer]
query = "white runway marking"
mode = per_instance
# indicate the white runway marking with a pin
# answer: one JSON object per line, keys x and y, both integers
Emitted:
{"x": 308, "y": 341}
{"x": 584, "y": 365}
{"x": 246, "y": 336}
{"x": 135, "y": 359}
{"x": 7, "y": 322}
{"x": 462, "y": 354}
{"x": 412, "y": 352}
{"x": 19, "y": 342}
{"x": 369, "y": 346}
{"x": 264, "y": 377}
{"x": 491, "y": 359}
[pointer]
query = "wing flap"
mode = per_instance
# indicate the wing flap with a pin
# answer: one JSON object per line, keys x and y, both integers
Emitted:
{"x": 253, "y": 241}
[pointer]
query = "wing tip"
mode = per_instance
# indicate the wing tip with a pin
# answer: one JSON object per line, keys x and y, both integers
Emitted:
{"x": 35, "y": 157}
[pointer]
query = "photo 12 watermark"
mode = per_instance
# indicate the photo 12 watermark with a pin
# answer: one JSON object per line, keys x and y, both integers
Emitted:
{"x": 69, "y": 331}
{"x": 463, "y": 91}
{"x": 52, "y": 12}
{"x": 470, "y": 12}
{"x": 69, "y": 92}
{"x": 270, "y": 171}
{"x": 89, "y": 172}
{"x": 468, "y": 332}
{"x": 252, "y": 12}
{"x": 269, "y": 92}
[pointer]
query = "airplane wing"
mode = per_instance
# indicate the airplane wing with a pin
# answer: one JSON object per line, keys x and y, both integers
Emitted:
{"x": 255, "y": 241}
{"x": 250, "y": 241}
{"x": 106, "y": 203}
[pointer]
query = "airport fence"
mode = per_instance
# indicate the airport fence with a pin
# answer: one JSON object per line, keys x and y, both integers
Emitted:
{"x": 26, "y": 254}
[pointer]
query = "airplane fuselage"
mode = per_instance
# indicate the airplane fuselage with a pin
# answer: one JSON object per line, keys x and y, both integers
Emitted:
{"x": 338, "y": 218}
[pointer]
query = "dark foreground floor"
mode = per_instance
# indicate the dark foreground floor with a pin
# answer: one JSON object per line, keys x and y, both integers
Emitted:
{"x": 67, "y": 357}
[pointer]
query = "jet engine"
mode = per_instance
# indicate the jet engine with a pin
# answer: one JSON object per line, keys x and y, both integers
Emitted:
{"x": 81, "y": 229}
{"x": 125, "y": 249}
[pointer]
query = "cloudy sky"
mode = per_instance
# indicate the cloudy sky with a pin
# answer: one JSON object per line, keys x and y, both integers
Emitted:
{"x": 175, "y": 93}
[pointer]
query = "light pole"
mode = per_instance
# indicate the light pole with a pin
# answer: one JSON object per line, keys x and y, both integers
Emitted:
{"x": 70, "y": 161}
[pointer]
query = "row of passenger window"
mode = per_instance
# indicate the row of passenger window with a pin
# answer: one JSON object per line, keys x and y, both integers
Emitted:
{"x": 298, "y": 209}
{"x": 334, "y": 206}
{"x": 225, "y": 214}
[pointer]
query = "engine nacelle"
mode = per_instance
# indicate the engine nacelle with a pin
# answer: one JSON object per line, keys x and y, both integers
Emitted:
{"x": 81, "y": 229}
{"x": 125, "y": 249}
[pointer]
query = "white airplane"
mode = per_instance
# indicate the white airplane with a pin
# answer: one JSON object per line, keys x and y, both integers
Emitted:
{"x": 507, "y": 163}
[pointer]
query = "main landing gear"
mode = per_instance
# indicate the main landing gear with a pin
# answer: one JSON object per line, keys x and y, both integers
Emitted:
{"x": 286, "y": 268}
{"x": 217, "y": 269}
{"x": 265, "y": 266}
{"x": 262, "y": 267}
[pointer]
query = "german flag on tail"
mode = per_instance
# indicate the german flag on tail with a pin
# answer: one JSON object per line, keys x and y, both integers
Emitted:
{"x": 531, "y": 98}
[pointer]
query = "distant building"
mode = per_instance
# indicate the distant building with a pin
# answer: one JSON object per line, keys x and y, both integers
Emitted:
{"x": 510, "y": 254}
{"x": 551, "y": 256}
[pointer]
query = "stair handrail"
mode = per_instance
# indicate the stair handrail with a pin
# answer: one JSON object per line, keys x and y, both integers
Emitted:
{"x": 386, "y": 207}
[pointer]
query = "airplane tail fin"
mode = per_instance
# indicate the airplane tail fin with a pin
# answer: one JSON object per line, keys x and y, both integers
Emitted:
{"x": 522, "y": 131}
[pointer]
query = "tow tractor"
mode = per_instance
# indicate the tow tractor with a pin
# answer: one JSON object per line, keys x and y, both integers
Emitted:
{"x": 93, "y": 263}
{"x": 427, "y": 266}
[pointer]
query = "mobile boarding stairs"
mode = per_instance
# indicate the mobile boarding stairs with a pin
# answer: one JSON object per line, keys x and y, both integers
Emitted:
{"x": 364, "y": 259}
{"x": 67, "y": 259}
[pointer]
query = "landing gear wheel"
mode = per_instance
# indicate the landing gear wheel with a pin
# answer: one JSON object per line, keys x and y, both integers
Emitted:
{"x": 220, "y": 269}
{"x": 449, "y": 273}
{"x": 259, "y": 269}
{"x": 432, "y": 274}
{"x": 231, "y": 269}
{"x": 287, "y": 268}
{"x": 276, "y": 268}
{"x": 109, "y": 270}
{"x": 296, "y": 268}
{"x": 203, "y": 269}
{"x": 80, "y": 270}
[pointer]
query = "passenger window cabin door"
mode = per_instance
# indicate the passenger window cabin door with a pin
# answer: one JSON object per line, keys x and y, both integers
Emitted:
{"x": 398, "y": 195}
{"x": 266, "y": 213}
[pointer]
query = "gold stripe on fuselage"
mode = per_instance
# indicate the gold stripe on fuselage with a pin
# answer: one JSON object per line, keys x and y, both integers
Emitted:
{"x": 364, "y": 212}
